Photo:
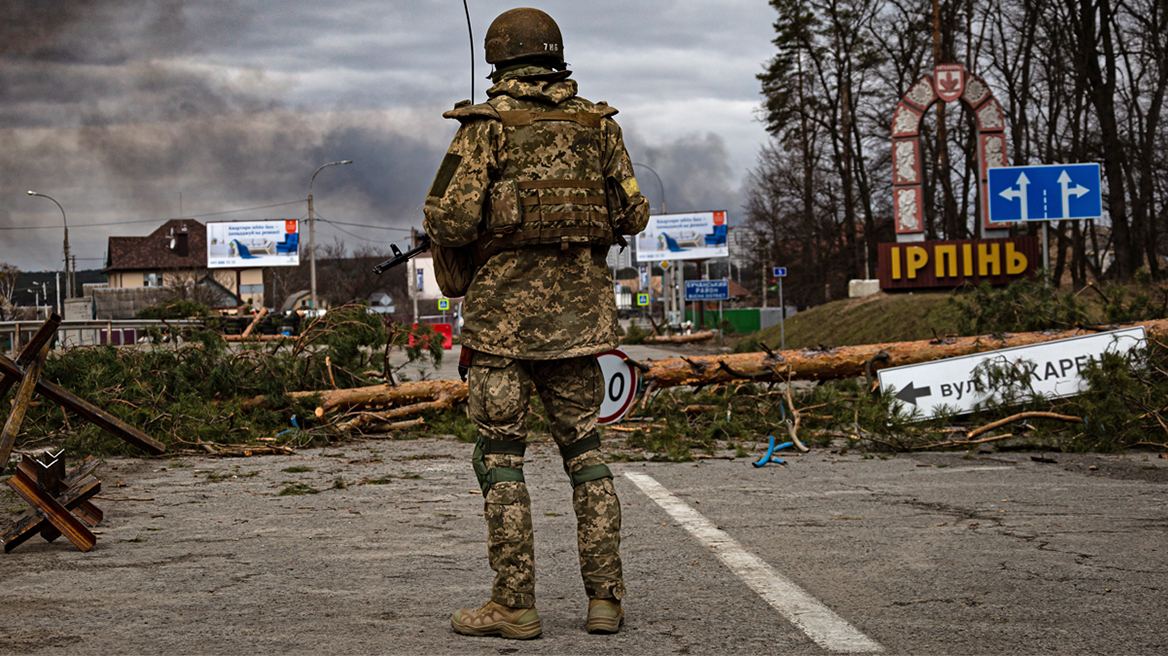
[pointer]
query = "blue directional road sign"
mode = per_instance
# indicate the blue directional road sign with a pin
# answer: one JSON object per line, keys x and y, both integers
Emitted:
{"x": 707, "y": 290}
{"x": 1045, "y": 193}
{"x": 779, "y": 272}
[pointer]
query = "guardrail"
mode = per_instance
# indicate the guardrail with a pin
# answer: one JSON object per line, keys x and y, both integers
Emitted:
{"x": 87, "y": 333}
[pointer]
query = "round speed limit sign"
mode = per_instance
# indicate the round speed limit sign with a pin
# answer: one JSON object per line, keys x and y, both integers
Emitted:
{"x": 620, "y": 385}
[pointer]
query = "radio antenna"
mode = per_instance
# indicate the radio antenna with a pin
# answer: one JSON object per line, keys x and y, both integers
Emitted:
{"x": 472, "y": 53}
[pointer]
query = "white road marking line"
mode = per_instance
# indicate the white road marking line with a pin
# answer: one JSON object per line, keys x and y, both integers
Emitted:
{"x": 819, "y": 622}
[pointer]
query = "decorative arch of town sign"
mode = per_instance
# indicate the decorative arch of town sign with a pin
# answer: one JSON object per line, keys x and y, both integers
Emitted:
{"x": 948, "y": 83}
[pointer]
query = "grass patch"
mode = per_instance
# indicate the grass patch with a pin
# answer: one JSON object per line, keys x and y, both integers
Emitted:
{"x": 297, "y": 489}
{"x": 870, "y": 320}
{"x": 298, "y": 469}
{"x": 377, "y": 481}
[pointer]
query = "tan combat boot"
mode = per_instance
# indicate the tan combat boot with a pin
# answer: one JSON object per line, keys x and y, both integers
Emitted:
{"x": 496, "y": 619}
{"x": 605, "y": 615}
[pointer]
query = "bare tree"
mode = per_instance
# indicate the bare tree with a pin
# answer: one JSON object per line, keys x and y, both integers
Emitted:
{"x": 8, "y": 276}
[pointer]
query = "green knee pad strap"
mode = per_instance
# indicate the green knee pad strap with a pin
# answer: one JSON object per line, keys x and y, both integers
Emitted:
{"x": 584, "y": 474}
{"x": 593, "y": 473}
{"x": 488, "y": 477}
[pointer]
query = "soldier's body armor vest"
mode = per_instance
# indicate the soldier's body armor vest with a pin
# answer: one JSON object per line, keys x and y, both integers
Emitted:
{"x": 552, "y": 188}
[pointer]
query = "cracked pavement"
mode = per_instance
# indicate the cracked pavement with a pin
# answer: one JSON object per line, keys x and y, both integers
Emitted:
{"x": 925, "y": 554}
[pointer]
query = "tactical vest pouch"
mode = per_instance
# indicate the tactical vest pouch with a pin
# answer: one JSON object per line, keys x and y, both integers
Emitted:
{"x": 454, "y": 267}
{"x": 503, "y": 214}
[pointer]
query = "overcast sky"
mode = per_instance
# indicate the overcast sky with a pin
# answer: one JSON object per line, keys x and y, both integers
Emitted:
{"x": 116, "y": 107}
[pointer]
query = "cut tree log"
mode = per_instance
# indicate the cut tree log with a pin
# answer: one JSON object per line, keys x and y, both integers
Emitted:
{"x": 844, "y": 361}
{"x": 407, "y": 393}
{"x": 681, "y": 339}
{"x": 777, "y": 366}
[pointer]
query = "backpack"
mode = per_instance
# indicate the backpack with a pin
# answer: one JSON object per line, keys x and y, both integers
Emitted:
{"x": 454, "y": 267}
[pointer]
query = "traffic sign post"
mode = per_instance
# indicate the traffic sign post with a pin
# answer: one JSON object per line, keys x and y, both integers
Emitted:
{"x": 778, "y": 273}
{"x": 1053, "y": 368}
{"x": 1045, "y": 193}
{"x": 1054, "y": 192}
{"x": 707, "y": 290}
{"x": 620, "y": 385}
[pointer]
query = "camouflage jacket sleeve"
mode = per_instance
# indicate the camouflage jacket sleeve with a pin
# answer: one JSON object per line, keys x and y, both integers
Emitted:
{"x": 453, "y": 212}
{"x": 619, "y": 167}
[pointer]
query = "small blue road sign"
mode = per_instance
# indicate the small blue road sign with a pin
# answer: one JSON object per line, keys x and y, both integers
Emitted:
{"x": 1045, "y": 193}
{"x": 444, "y": 304}
{"x": 642, "y": 299}
{"x": 779, "y": 272}
{"x": 707, "y": 290}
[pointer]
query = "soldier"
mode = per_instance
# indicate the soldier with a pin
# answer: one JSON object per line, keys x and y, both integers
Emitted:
{"x": 535, "y": 188}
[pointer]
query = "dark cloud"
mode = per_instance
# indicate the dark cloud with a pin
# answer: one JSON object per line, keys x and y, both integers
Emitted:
{"x": 115, "y": 107}
{"x": 694, "y": 171}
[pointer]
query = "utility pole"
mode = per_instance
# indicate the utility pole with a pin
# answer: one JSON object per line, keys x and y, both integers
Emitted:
{"x": 312, "y": 232}
{"x": 65, "y": 222}
{"x": 414, "y": 273}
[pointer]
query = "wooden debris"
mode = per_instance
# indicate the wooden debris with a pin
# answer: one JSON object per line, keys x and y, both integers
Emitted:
{"x": 841, "y": 362}
{"x": 682, "y": 339}
{"x": 27, "y": 372}
{"x": 409, "y": 398}
{"x": 60, "y": 503}
{"x": 402, "y": 393}
{"x": 247, "y": 451}
{"x": 1019, "y": 417}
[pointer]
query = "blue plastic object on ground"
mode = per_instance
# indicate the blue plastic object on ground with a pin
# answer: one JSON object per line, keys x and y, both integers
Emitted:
{"x": 770, "y": 454}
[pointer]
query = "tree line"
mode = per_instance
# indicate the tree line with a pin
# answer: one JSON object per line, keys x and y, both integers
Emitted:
{"x": 1078, "y": 80}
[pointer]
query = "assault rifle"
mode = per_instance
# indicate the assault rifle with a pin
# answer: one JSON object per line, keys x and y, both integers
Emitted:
{"x": 400, "y": 257}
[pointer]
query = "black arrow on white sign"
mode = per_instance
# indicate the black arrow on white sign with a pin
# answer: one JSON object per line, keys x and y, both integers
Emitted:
{"x": 910, "y": 394}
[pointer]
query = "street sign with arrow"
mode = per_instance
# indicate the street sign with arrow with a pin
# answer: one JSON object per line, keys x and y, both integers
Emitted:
{"x": 1053, "y": 368}
{"x": 1045, "y": 193}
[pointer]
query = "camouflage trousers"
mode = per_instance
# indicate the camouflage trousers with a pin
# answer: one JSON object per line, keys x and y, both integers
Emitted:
{"x": 571, "y": 392}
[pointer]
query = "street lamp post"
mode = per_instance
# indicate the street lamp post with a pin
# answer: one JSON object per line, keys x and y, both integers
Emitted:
{"x": 312, "y": 231}
{"x": 68, "y": 278}
{"x": 671, "y": 306}
{"x": 658, "y": 184}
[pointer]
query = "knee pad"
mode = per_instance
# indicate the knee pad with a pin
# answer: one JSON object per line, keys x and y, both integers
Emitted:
{"x": 584, "y": 474}
{"x": 488, "y": 477}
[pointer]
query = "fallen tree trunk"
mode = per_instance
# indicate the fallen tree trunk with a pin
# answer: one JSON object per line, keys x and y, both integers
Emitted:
{"x": 844, "y": 361}
{"x": 773, "y": 366}
{"x": 407, "y": 393}
{"x": 681, "y": 339}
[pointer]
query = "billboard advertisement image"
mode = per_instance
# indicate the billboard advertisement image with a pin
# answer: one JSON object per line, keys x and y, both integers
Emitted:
{"x": 250, "y": 244}
{"x": 692, "y": 236}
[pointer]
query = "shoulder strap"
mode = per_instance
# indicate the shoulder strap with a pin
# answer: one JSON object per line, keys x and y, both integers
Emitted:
{"x": 464, "y": 111}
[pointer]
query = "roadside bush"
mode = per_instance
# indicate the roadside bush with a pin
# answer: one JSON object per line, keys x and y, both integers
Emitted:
{"x": 206, "y": 390}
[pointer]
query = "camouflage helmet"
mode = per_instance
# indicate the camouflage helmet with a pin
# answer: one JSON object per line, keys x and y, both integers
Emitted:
{"x": 524, "y": 32}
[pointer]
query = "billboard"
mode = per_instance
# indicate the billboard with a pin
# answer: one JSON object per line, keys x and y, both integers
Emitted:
{"x": 250, "y": 244}
{"x": 693, "y": 236}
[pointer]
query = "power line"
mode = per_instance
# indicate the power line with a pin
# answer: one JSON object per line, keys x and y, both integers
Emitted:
{"x": 334, "y": 225}
{"x": 173, "y": 218}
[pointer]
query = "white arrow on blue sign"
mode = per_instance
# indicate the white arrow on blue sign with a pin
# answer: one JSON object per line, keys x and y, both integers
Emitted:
{"x": 779, "y": 272}
{"x": 1045, "y": 193}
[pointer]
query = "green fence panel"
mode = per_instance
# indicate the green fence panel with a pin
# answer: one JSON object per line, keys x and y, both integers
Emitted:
{"x": 744, "y": 320}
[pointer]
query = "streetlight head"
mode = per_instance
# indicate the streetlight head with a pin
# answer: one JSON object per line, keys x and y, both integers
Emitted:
{"x": 346, "y": 161}
{"x": 32, "y": 193}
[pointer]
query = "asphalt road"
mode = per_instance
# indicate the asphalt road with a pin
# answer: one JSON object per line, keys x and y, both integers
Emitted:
{"x": 929, "y": 554}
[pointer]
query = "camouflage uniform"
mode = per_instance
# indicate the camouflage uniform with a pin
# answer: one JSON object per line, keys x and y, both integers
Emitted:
{"x": 537, "y": 312}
